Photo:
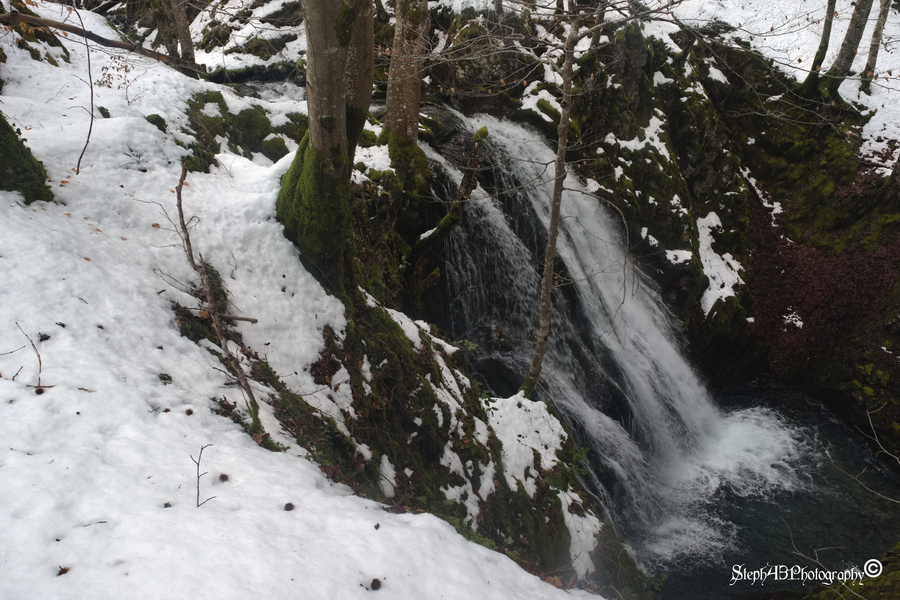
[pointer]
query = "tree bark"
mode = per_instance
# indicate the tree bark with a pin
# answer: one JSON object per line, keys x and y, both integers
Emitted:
{"x": 314, "y": 202}
{"x": 874, "y": 46}
{"x": 407, "y": 61}
{"x": 812, "y": 80}
{"x": 546, "y": 313}
{"x": 841, "y": 67}
{"x": 360, "y": 74}
{"x": 179, "y": 20}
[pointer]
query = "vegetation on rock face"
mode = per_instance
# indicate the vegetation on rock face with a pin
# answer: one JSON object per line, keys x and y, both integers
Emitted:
{"x": 246, "y": 131}
{"x": 20, "y": 171}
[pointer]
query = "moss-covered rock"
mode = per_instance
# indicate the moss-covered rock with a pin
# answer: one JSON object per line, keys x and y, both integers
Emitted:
{"x": 157, "y": 121}
{"x": 20, "y": 171}
{"x": 210, "y": 122}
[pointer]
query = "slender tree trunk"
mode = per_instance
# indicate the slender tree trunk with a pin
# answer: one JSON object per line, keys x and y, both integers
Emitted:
{"x": 314, "y": 202}
{"x": 553, "y": 230}
{"x": 869, "y": 71}
{"x": 841, "y": 67}
{"x": 599, "y": 16}
{"x": 812, "y": 80}
{"x": 360, "y": 74}
{"x": 407, "y": 61}
{"x": 176, "y": 11}
{"x": 498, "y": 7}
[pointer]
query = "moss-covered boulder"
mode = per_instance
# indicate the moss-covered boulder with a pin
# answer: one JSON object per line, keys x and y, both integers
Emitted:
{"x": 20, "y": 171}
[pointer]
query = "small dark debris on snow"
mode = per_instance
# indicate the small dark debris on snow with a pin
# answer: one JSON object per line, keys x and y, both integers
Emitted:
{"x": 189, "y": 412}
{"x": 377, "y": 525}
{"x": 43, "y": 337}
{"x": 99, "y": 326}
{"x": 223, "y": 477}
{"x": 376, "y": 584}
{"x": 63, "y": 325}
{"x": 167, "y": 505}
{"x": 288, "y": 506}
{"x": 39, "y": 391}
{"x": 62, "y": 571}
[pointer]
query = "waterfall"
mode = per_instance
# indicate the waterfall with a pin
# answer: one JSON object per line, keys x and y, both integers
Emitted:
{"x": 615, "y": 370}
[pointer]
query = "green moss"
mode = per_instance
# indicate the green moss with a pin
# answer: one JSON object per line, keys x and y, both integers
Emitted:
{"x": 295, "y": 128}
{"x": 407, "y": 184}
{"x": 249, "y": 128}
{"x": 343, "y": 26}
{"x": 264, "y": 48}
{"x": 367, "y": 139}
{"x": 157, "y": 121}
{"x": 616, "y": 571}
{"x": 30, "y": 33}
{"x": 191, "y": 326}
{"x": 35, "y": 53}
{"x": 19, "y": 170}
{"x": 245, "y": 131}
{"x": 103, "y": 112}
{"x": 314, "y": 205}
{"x": 274, "y": 149}
{"x": 289, "y": 15}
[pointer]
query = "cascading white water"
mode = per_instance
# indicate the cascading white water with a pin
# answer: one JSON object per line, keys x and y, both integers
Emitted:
{"x": 615, "y": 368}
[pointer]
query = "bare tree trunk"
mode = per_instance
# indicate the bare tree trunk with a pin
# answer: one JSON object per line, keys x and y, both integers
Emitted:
{"x": 360, "y": 74}
{"x": 314, "y": 202}
{"x": 498, "y": 7}
{"x": 178, "y": 18}
{"x": 553, "y": 230}
{"x": 405, "y": 76}
{"x": 812, "y": 80}
{"x": 869, "y": 71}
{"x": 841, "y": 67}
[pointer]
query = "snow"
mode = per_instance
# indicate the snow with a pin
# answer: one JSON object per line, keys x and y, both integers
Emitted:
{"x": 792, "y": 318}
{"x": 722, "y": 270}
{"x": 525, "y": 427}
{"x": 96, "y": 473}
{"x": 678, "y": 256}
{"x": 789, "y": 33}
{"x": 764, "y": 197}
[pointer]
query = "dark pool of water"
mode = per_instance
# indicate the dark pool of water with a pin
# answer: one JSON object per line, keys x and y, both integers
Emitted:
{"x": 823, "y": 513}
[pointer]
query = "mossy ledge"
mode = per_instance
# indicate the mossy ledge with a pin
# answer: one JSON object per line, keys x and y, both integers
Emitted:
{"x": 20, "y": 171}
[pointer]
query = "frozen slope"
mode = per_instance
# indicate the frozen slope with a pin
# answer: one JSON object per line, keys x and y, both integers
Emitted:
{"x": 97, "y": 483}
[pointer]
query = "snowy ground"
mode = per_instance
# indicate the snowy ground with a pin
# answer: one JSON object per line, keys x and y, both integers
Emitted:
{"x": 97, "y": 485}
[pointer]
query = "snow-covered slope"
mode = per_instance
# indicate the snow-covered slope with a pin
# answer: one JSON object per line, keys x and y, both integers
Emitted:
{"x": 98, "y": 486}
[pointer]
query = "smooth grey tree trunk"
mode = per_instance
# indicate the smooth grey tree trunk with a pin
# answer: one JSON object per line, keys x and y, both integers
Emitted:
{"x": 314, "y": 202}
{"x": 841, "y": 67}
{"x": 407, "y": 60}
{"x": 874, "y": 46}
{"x": 360, "y": 74}
{"x": 812, "y": 80}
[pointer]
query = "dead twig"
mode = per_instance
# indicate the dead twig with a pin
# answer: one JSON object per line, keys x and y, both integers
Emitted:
{"x": 199, "y": 474}
{"x": 90, "y": 83}
{"x": 40, "y": 389}
{"x": 212, "y": 310}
